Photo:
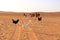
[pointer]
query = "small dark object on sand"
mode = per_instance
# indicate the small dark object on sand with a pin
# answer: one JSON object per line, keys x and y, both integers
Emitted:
{"x": 24, "y": 14}
{"x": 37, "y": 14}
{"x": 39, "y": 18}
{"x": 15, "y": 21}
{"x": 32, "y": 15}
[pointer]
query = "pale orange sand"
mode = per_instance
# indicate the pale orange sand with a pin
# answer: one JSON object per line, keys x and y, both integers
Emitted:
{"x": 46, "y": 29}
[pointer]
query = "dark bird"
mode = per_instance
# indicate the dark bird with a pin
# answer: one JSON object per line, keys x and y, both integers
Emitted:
{"x": 39, "y": 18}
{"x": 15, "y": 21}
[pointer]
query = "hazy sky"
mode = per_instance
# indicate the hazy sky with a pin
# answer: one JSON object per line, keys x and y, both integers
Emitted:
{"x": 30, "y": 5}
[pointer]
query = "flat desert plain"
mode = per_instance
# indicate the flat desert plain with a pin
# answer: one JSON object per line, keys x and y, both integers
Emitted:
{"x": 29, "y": 28}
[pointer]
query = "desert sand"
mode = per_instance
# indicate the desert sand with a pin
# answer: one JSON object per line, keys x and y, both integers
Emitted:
{"x": 29, "y": 28}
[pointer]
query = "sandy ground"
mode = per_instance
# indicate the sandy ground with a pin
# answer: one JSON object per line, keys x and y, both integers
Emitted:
{"x": 46, "y": 29}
